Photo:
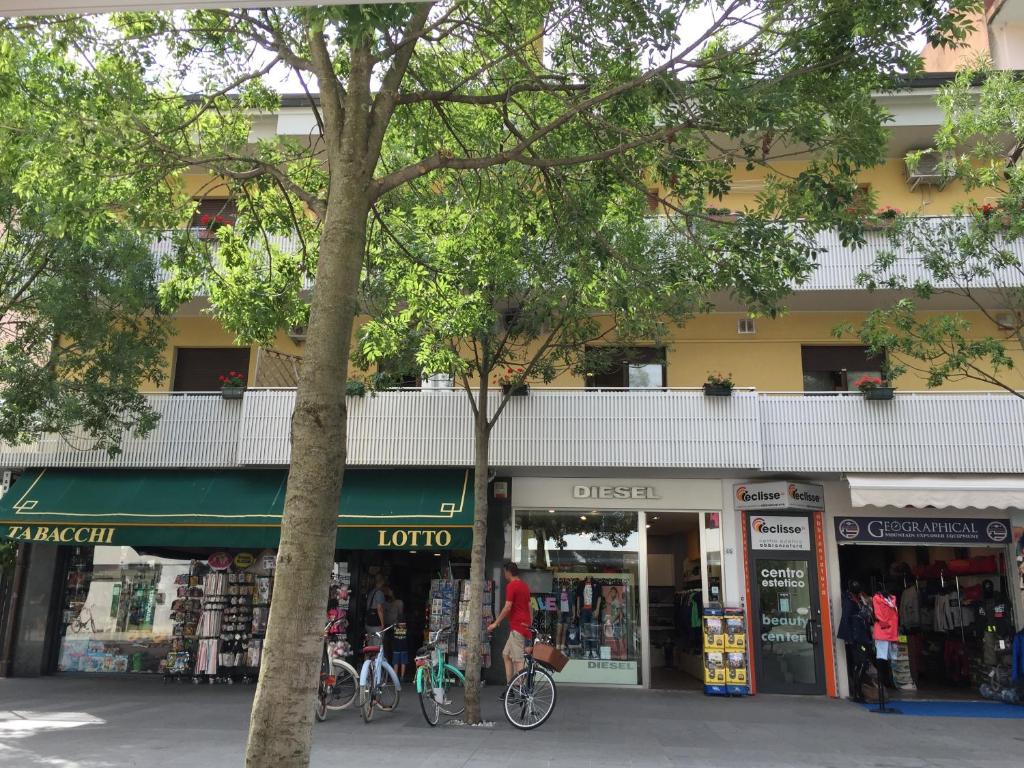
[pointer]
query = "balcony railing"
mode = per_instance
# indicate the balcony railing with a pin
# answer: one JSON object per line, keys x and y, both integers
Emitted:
{"x": 837, "y": 268}
{"x": 774, "y": 432}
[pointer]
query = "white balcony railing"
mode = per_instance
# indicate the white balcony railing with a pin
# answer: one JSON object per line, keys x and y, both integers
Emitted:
{"x": 915, "y": 432}
{"x": 837, "y": 268}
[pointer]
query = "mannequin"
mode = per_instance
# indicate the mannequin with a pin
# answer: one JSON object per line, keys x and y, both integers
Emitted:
{"x": 588, "y": 608}
{"x": 885, "y": 630}
{"x": 854, "y": 631}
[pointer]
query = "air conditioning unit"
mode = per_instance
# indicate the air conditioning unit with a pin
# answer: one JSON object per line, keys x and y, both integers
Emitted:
{"x": 297, "y": 333}
{"x": 927, "y": 173}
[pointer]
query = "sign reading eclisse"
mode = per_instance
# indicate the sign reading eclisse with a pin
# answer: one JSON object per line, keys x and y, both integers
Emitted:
{"x": 778, "y": 495}
{"x": 923, "y": 530}
{"x": 779, "y": 533}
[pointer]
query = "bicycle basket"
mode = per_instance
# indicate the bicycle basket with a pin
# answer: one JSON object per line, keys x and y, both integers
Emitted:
{"x": 550, "y": 656}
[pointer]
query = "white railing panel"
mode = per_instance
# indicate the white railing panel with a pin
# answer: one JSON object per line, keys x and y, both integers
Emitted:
{"x": 911, "y": 433}
{"x": 195, "y": 430}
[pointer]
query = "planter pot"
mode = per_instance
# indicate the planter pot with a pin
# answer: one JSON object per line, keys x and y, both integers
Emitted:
{"x": 232, "y": 393}
{"x": 717, "y": 390}
{"x": 515, "y": 390}
{"x": 724, "y": 216}
{"x": 879, "y": 393}
{"x": 879, "y": 224}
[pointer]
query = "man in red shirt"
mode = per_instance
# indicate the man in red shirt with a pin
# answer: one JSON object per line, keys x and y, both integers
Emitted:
{"x": 520, "y": 618}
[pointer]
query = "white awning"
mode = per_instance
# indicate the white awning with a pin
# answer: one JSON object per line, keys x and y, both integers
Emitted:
{"x": 923, "y": 491}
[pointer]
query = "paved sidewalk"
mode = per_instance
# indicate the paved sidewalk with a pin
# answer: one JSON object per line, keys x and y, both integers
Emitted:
{"x": 114, "y": 723}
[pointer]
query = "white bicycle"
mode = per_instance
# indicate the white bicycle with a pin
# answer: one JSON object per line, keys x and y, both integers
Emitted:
{"x": 339, "y": 680}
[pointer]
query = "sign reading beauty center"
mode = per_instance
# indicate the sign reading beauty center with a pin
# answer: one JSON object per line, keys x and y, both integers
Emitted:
{"x": 779, "y": 494}
{"x": 923, "y": 530}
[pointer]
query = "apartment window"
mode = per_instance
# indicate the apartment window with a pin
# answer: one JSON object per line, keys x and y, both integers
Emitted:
{"x": 198, "y": 369}
{"x": 209, "y": 208}
{"x": 837, "y": 368}
{"x": 627, "y": 367}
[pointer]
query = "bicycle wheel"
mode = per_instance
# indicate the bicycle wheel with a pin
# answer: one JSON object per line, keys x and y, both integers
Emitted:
{"x": 454, "y": 693}
{"x": 428, "y": 703}
{"x": 320, "y": 709}
{"x": 366, "y": 702}
{"x": 387, "y": 695}
{"x": 528, "y": 704}
{"x": 345, "y": 688}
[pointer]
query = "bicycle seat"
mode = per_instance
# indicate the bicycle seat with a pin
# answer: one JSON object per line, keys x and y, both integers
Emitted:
{"x": 371, "y": 649}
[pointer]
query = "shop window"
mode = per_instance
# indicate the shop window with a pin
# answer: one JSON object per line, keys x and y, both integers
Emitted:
{"x": 626, "y": 367}
{"x": 117, "y": 610}
{"x": 209, "y": 209}
{"x": 584, "y": 574}
{"x": 198, "y": 369}
{"x": 837, "y": 368}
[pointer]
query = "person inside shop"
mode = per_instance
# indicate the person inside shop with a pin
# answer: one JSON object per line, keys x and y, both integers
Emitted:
{"x": 394, "y": 614}
{"x": 375, "y": 602}
{"x": 854, "y": 631}
{"x": 520, "y": 618}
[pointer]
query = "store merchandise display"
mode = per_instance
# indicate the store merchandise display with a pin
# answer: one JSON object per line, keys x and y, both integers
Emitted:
{"x": 449, "y": 606}
{"x": 466, "y": 634}
{"x": 726, "y": 664}
{"x": 338, "y": 606}
{"x": 589, "y": 615}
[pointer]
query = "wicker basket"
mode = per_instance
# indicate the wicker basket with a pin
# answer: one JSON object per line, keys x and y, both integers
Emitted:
{"x": 550, "y": 656}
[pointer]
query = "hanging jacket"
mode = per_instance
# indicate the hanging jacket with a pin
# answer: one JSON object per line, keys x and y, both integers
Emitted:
{"x": 853, "y": 627}
{"x": 886, "y": 626}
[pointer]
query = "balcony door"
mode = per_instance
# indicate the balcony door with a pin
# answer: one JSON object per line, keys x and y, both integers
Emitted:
{"x": 837, "y": 368}
{"x": 198, "y": 369}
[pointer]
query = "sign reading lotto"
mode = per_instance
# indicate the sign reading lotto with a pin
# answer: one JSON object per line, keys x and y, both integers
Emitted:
{"x": 922, "y": 530}
{"x": 770, "y": 533}
{"x": 779, "y": 494}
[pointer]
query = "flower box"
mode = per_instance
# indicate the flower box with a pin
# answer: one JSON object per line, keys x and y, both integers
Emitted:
{"x": 879, "y": 393}
{"x": 515, "y": 390}
{"x": 232, "y": 392}
{"x": 877, "y": 225}
{"x": 717, "y": 390}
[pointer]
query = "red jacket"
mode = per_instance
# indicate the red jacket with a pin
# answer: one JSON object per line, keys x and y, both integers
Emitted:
{"x": 886, "y": 626}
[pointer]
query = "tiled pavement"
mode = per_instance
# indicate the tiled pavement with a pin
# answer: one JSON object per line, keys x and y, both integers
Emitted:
{"x": 111, "y": 723}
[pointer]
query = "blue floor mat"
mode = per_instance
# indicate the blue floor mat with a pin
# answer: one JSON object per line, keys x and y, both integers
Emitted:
{"x": 955, "y": 709}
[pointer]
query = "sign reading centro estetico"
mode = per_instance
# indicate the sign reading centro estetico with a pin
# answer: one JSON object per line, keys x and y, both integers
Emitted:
{"x": 778, "y": 494}
{"x": 923, "y": 530}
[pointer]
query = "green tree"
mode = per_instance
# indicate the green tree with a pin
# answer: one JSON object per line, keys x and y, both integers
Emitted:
{"x": 972, "y": 258}
{"x": 80, "y": 326}
{"x": 516, "y": 275}
{"x": 407, "y": 91}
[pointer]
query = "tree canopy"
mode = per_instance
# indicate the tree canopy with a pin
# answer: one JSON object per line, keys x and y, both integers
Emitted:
{"x": 973, "y": 257}
{"x": 80, "y": 327}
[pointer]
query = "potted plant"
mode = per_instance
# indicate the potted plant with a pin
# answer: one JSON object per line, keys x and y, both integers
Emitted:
{"x": 512, "y": 383}
{"x": 883, "y": 218}
{"x": 210, "y": 224}
{"x": 874, "y": 388}
{"x": 721, "y": 214}
{"x": 232, "y": 385}
{"x": 355, "y": 388}
{"x": 718, "y": 385}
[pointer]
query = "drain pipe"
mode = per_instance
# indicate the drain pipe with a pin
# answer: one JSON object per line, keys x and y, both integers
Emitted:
{"x": 17, "y": 581}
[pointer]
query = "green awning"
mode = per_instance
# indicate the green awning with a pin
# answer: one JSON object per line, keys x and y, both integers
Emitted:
{"x": 234, "y": 509}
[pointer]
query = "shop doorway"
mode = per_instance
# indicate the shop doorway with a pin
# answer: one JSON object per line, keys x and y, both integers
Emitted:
{"x": 955, "y": 616}
{"x": 786, "y": 605}
{"x": 675, "y": 594}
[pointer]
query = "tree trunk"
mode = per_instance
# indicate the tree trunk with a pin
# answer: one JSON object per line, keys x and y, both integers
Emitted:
{"x": 481, "y": 444}
{"x": 280, "y": 727}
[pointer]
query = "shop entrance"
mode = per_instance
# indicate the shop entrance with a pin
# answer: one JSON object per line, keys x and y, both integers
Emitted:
{"x": 955, "y": 617}
{"x": 675, "y": 593}
{"x": 786, "y": 605}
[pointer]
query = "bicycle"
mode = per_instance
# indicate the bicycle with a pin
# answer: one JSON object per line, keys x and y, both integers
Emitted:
{"x": 377, "y": 690}
{"x": 338, "y": 684}
{"x": 441, "y": 687}
{"x": 531, "y": 693}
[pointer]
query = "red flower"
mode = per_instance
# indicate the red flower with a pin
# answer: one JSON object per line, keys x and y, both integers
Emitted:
{"x": 204, "y": 219}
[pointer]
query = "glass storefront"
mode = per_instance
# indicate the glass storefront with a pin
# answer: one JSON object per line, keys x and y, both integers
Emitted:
{"x": 584, "y": 573}
{"x": 116, "y": 613}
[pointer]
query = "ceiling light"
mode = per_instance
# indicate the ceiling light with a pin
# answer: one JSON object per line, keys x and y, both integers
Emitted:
{"x": 654, "y": 518}
{"x": 648, "y": 525}
{"x": 583, "y": 517}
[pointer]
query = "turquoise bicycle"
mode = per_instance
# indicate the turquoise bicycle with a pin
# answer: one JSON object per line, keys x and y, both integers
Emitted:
{"x": 441, "y": 687}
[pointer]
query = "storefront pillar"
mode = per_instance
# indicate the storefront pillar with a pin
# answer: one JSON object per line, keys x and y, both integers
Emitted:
{"x": 37, "y": 605}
